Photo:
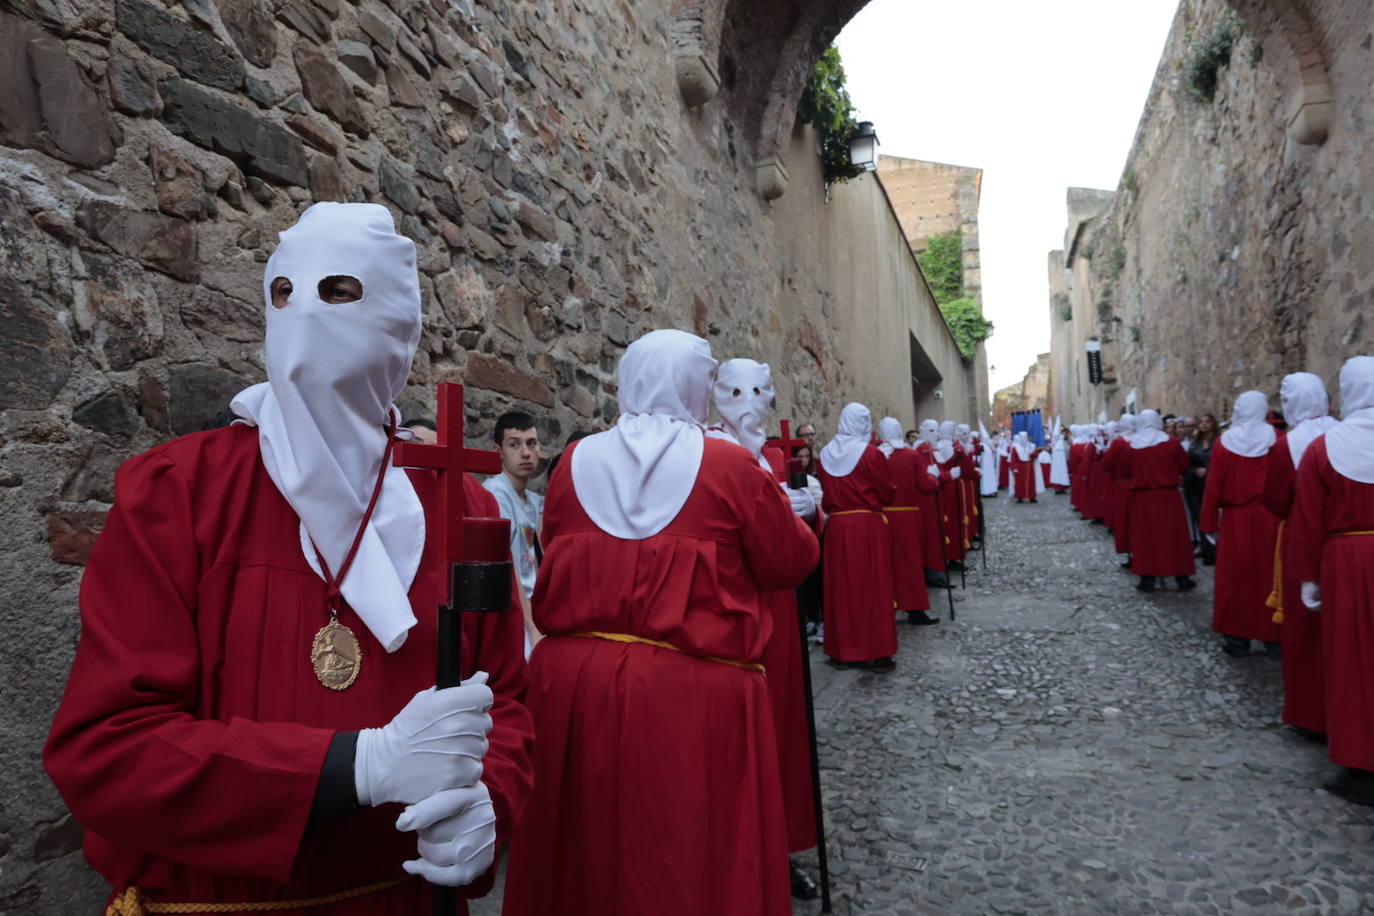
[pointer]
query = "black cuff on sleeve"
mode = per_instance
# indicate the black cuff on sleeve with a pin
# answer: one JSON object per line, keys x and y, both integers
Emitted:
{"x": 337, "y": 794}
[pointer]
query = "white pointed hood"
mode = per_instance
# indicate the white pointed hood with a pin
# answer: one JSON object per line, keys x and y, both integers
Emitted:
{"x": 1350, "y": 443}
{"x": 1306, "y": 408}
{"x": 842, "y": 453}
{"x": 1149, "y": 430}
{"x": 633, "y": 479}
{"x": 1250, "y": 435}
{"x": 333, "y": 372}
{"x": 743, "y": 394}
{"x": 892, "y": 436}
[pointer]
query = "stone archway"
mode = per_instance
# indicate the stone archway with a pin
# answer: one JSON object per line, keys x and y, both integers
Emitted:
{"x": 1290, "y": 39}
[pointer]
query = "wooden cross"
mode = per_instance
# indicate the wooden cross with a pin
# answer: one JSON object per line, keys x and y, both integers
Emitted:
{"x": 451, "y": 459}
{"x": 785, "y": 441}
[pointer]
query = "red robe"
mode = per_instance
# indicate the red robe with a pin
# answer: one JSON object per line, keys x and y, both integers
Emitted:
{"x": 907, "y": 529}
{"x": 1161, "y": 544}
{"x": 1078, "y": 455}
{"x": 783, "y": 659}
{"x": 1023, "y": 475}
{"x": 656, "y": 770}
{"x": 1120, "y": 494}
{"x": 1003, "y": 471}
{"x": 193, "y": 729}
{"x": 1304, "y": 702}
{"x": 860, "y": 624}
{"x": 928, "y": 500}
{"x": 1326, "y": 505}
{"x": 968, "y": 492}
{"x": 1094, "y": 495}
{"x": 951, "y": 510}
{"x": 1246, "y": 532}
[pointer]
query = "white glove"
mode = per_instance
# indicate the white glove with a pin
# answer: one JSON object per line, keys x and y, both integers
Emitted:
{"x": 954, "y": 472}
{"x": 1312, "y": 596}
{"x": 1211, "y": 537}
{"x": 803, "y": 503}
{"x": 437, "y": 742}
{"x": 933, "y": 470}
{"x": 457, "y": 841}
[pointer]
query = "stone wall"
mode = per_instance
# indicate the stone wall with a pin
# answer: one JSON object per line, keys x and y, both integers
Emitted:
{"x": 1240, "y": 245}
{"x": 933, "y": 198}
{"x": 567, "y": 187}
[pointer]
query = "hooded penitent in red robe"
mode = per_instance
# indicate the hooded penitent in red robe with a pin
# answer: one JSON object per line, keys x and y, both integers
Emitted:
{"x": 1246, "y": 532}
{"x": 908, "y": 530}
{"x": 191, "y": 737}
{"x": 657, "y": 787}
{"x": 860, "y": 612}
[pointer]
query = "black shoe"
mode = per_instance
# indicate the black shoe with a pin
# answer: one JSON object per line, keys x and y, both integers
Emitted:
{"x": 956, "y": 565}
{"x": 920, "y": 619}
{"x": 936, "y": 580}
{"x": 1146, "y": 584}
{"x": 803, "y": 888}
{"x": 1185, "y": 583}
{"x": 1019, "y": 500}
{"x": 883, "y": 665}
{"x": 1098, "y": 521}
{"x": 1273, "y": 649}
{"x": 839, "y": 665}
{"x": 1354, "y": 786}
{"x": 1236, "y": 647}
{"x": 1126, "y": 563}
{"x": 1310, "y": 734}
{"x": 1034, "y": 500}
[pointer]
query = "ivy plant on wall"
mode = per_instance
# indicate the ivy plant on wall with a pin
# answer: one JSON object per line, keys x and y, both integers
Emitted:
{"x": 943, "y": 265}
{"x": 825, "y": 105}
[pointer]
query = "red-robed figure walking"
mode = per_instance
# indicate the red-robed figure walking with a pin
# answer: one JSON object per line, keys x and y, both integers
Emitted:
{"x": 1120, "y": 495}
{"x": 656, "y": 771}
{"x": 1333, "y": 551}
{"x": 1233, "y": 510}
{"x": 930, "y": 501}
{"x": 906, "y": 525}
{"x": 743, "y": 394}
{"x": 251, "y": 702}
{"x": 1023, "y": 469}
{"x": 1160, "y": 541}
{"x": 860, "y": 621}
{"x": 1305, "y": 407}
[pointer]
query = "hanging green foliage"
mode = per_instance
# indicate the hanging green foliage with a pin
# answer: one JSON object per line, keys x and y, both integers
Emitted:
{"x": 966, "y": 322}
{"x": 943, "y": 265}
{"x": 825, "y": 105}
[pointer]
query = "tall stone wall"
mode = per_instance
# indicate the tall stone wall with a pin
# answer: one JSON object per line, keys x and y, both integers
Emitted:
{"x": 1240, "y": 244}
{"x": 933, "y": 198}
{"x": 566, "y": 192}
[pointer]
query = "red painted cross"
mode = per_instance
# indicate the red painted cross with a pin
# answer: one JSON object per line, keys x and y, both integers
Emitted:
{"x": 451, "y": 459}
{"x": 785, "y": 441}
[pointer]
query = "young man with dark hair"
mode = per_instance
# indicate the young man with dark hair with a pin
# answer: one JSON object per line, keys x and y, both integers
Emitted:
{"x": 517, "y": 438}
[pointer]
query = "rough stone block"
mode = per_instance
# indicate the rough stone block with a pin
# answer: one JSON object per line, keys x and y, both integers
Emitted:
{"x": 214, "y": 317}
{"x": 34, "y": 350}
{"x": 259, "y": 146}
{"x": 152, "y": 403}
{"x": 494, "y": 374}
{"x": 180, "y": 184}
{"x": 326, "y": 180}
{"x": 164, "y": 243}
{"x": 175, "y": 41}
{"x": 250, "y": 25}
{"x": 47, "y": 102}
{"x": 108, "y": 415}
{"x": 510, "y": 310}
{"x": 463, "y": 294}
{"x": 321, "y": 136}
{"x": 536, "y": 222}
{"x": 358, "y": 57}
{"x": 327, "y": 90}
{"x": 200, "y": 396}
{"x": 379, "y": 29}
{"x": 20, "y": 122}
{"x": 402, "y": 89}
{"x": 71, "y": 535}
{"x": 397, "y": 188}
{"x": 132, "y": 89}
{"x": 116, "y": 309}
{"x": 307, "y": 20}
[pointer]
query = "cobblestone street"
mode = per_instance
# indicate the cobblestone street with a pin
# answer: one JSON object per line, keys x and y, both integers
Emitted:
{"x": 1072, "y": 746}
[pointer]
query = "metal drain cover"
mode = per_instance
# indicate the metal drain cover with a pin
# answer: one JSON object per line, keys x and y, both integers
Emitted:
{"x": 907, "y": 861}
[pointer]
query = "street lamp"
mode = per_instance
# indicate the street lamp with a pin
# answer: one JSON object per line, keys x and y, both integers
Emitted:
{"x": 863, "y": 147}
{"x": 1094, "y": 348}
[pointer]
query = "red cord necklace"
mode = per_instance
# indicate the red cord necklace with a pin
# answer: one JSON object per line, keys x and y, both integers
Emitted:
{"x": 336, "y": 652}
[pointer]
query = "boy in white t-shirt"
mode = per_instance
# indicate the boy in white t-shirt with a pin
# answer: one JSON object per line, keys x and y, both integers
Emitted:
{"x": 518, "y": 440}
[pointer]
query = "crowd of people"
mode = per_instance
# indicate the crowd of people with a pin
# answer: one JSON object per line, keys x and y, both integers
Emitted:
{"x": 251, "y": 722}
{"x": 1282, "y": 503}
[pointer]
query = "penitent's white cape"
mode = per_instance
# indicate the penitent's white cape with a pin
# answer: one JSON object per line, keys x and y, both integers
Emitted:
{"x": 633, "y": 479}
{"x": 332, "y": 374}
{"x": 1250, "y": 435}
{"x": 842, "y": 453}
{"x": 1306, "y": 408}
{"x": 1350, "y": 443}
{"x": 1149, "y": 430}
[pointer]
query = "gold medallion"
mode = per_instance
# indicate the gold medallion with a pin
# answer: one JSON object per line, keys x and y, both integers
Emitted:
{"x": 336, "y": 655}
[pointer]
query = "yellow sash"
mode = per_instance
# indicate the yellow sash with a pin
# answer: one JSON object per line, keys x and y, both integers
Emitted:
{"x": 658, "y": 643}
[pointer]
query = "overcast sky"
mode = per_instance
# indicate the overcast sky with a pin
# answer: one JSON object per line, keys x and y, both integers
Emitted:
{"x": 1040, "y": 94}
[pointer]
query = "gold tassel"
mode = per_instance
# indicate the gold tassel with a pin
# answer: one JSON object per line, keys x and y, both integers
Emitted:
{"x": 1275, "y": 599}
